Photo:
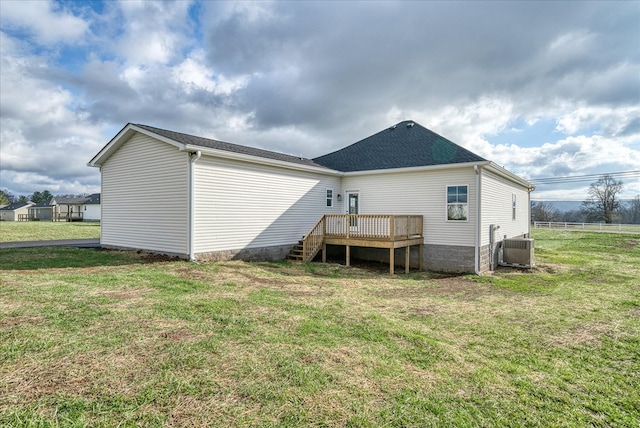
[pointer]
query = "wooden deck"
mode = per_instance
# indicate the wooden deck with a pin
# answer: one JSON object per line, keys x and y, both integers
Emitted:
{"x": 71, "y": 216}
{"x": 55, "y": 217}
{"x": 364, "y": 230}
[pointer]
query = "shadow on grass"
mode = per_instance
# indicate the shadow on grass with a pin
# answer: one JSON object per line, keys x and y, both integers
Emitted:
{"x": 67, "y": 257}
{"x": 335, "y": 268}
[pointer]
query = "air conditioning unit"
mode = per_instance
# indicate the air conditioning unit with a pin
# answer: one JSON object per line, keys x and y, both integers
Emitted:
{"x": 517, "y": 252}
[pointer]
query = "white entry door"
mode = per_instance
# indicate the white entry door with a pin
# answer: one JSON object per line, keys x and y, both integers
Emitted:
{"x": 353, "y": 207}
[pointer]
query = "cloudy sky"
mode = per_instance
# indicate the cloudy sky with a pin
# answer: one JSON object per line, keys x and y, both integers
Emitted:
{"x": 546, "y": 89}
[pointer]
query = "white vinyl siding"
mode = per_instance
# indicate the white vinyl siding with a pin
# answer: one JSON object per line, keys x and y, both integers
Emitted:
{"x": 497, "y": 207}
{"x": 91, "y": 212}
{"x": 421, "y": 192}
{"x": 244, "y": 205}
{"x": 145, "y": 190}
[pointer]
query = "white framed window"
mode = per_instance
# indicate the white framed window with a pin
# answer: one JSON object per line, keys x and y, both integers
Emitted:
{"x": 329, "y": 197}
{"x": 513, "y": 206}
{"x": 458, "y": 203}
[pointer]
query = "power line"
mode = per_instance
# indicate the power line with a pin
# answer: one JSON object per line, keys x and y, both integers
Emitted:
{"x": 583, "y": 178}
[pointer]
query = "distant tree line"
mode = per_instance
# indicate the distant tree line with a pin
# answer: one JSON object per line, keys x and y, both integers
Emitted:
{"x": 602, "y": 205}
{"x": 36, "y": 197}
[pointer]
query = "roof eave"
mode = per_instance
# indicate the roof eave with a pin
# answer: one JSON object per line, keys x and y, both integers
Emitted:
{"x": 417, "y": 168}
{"x": 510, "y": 176}
{"x": 224, "y": 154}
{"x": 121, "y": 137}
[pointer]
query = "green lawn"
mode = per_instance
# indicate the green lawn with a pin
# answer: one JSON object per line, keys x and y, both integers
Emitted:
{"x": 106, "y": 338}
{"x": 47, "y": 230}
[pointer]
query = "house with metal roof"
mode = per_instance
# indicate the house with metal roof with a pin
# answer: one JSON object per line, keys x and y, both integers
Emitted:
{"x": 405, "y": 195}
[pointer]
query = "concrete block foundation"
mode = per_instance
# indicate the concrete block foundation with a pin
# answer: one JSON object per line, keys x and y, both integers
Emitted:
{"x": 260, "y": 254}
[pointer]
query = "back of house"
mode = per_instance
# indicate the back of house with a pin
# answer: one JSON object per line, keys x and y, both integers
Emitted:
{"x": 205, "y": 199}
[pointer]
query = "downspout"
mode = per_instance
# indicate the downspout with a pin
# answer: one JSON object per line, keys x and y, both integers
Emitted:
{"x": 529, "y": 190}
{"x": 478, "y": 217}
{"x": 193, "y": 158}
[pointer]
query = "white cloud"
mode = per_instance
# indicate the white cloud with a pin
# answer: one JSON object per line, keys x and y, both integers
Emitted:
{"x": 193, "y": 74}
{"x": 42, "y": 135}
{"x": 571, "y": 44}
{"x": 604, "y": 119}
{"x": 46, "y": 21}
{"x": 153, "y": 32}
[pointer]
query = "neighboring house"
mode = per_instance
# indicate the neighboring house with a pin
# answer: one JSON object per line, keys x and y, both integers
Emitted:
{"x": 43, "y": 210}
{"x": 204, "y": 199}
{"x": 13, "y": 212}
{"x": 91, "y": 208}
{"x": 62, "y": 208}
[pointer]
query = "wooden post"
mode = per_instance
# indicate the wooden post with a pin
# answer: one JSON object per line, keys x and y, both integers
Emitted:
{"x": 392, "y": 230}
{"x": 406, "y": 259}
{"x": 391, "y": 259}
{"x": 420, "y": 256}
{"x": 348, "y": 251}
{"x": 347, "y": 223}
{"x": 304, "y": 249}
{"x": 324, "y": 253}
{"x": 407, "y": 228}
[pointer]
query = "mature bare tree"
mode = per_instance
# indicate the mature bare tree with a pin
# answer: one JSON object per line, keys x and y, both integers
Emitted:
{"x": 602, "y": 203}
{"x": 544, "y": 212}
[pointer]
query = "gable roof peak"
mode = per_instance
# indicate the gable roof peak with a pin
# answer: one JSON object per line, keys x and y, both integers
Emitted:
{"x": 404, "y": 145}
{"x": 407, "y": 123}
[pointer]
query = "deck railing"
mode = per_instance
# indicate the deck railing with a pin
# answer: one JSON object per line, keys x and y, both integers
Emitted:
{"x": 373, "y": 226}
{"x": 68, "y": 216}
{"x": 312, "y": 241}
{"x": 363, "y": 230}
{"x": 380, "y": 227}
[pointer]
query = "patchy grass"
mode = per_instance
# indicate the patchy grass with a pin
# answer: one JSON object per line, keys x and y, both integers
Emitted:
{"x": 127, "y": 339}
{"x": 47, "y": 230}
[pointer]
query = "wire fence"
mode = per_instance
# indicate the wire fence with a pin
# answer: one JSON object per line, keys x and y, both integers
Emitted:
{"x": 588, "y": 227}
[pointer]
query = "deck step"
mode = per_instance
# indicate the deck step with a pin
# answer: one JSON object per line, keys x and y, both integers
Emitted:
{"x": 297, "y": 252}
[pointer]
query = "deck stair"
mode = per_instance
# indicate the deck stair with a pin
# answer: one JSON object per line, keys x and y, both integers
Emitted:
{"x": 297, "y": 251}
{"x": 361, "y": 230}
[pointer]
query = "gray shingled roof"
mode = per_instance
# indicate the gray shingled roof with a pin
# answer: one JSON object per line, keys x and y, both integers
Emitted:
{"x": 73, "y": 200}
{"x": 407, "y": 144}
{"x": 93, "y": 199}
{"x": 235, "y": 148}
{"x": 43, "y": 204}
{"x": 14, "y": 206}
